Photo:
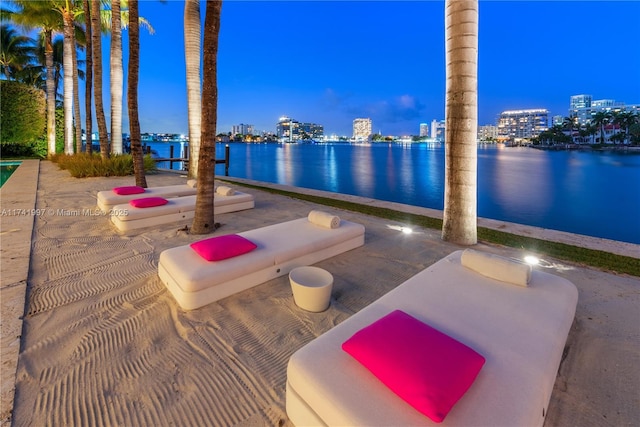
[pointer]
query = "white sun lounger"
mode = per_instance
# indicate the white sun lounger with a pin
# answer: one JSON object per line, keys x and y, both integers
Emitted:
{"x": 177, "y": 210}
{"x": 520, "y": 331}
{"x": 195, "y": 282}
{"x": 107, "y": 199}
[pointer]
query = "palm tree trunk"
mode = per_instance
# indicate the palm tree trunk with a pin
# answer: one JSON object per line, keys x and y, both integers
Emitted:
{"x": 76, "y": 99}
{"x": 203, "y": 221}
{"x": 192, "y": 56}
{"x": 132, "y": 94}
{"x": 97, "y": 75}
{"x": 116, "y": 78}
{"x": 67, "y": 64}
{"x": 51, "y": 94}
{"x": 88, "y": 76}
{"x": 460, "y": 196}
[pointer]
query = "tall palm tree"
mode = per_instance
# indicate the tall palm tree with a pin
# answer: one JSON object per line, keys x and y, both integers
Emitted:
{"x": 192, "y": 56}
{"x": 88, "y": 75}
{"x": 40, "y": 15}
{"x": 116, "y": 78}
{"x": 203, "y": 222}
{"x": 132, "y": 94}
{"x": 69, "y": 11}
{"x": 461, "y": 122}
{"x": 601, "y": 119}
{"x": 97, "y": 78}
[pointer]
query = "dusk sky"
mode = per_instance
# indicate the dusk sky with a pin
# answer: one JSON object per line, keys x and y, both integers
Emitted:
{"x": 329, "y": 62}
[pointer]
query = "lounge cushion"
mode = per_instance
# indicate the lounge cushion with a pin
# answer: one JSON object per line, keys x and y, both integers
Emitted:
{"x": 223, "y": 247}
{"x": 148, "y": 202}
{"x": 428, "y": 369}
{"x": 124, "y": 191}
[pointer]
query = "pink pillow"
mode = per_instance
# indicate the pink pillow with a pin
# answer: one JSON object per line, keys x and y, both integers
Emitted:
{"x": 428, "y": 369}
{"x": 148, "y": 202}
{"x": 123, "y": 191}
{"x": 223, "y": 247}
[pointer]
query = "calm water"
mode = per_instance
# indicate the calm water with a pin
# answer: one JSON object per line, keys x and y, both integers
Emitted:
{"x": 596, "y": 194}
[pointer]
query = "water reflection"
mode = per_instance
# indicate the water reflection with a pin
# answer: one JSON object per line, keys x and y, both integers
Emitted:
{"x": 596, "y": 194}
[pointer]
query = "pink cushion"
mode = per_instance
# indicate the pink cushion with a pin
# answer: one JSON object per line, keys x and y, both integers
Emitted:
{"x": 148, "y": 202}
{"x": 428, "y": 369}
{"x": 123, "y": 191}
{"x": 223, "y": 247}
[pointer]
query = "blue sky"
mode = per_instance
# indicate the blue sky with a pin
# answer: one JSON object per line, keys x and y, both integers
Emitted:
{"x": 329, "y": 62}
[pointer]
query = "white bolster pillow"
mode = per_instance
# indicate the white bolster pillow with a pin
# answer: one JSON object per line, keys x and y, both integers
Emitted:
{"x": 225, "y": 191}
{"x": 192, "y": 183}
{"x": 497, "y": 267}
{"x": 323, "y": 219}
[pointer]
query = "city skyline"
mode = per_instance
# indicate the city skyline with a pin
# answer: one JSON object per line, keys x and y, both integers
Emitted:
{"x": 331, "y": 62}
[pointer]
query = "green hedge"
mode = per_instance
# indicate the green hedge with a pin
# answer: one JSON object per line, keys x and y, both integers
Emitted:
{"x": 23, "y": 118}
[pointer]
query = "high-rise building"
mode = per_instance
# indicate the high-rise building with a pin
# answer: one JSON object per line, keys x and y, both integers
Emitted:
{"x": 487, "y": 133}
{"x": 424, "y": 129}
{"x": 362, "y": 129}
{"x": 242, "y": 129}
{"x": 437, "y": 130}
{"x": 522, "y": 124}
{"x": 289, "y": 130}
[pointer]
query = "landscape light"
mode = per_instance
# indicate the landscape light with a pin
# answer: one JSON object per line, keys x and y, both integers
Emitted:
{"x": 406, "y": 230}
{"x": 531, "y": 260}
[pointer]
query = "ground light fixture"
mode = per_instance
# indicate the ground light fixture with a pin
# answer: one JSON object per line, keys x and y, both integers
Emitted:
{"x": 531, "y": 260}
{"x": 401, "y": 228}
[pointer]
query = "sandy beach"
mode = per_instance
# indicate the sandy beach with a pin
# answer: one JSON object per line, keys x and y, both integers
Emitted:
{"x": 104, "y": 343}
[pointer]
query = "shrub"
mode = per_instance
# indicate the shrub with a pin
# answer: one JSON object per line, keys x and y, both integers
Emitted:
{"x": 84, "y": 165}
{"x": 22, "y": 112}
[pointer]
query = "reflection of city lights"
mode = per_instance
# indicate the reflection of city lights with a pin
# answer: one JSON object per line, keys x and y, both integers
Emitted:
{"x": 531, "y": 260}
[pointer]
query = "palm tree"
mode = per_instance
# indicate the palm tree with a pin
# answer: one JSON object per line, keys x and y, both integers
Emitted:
{"x": 41, "y": 16}
{"x": 16, "y": 52}
{"x": 69, "y": 12}
{"x": 116, "y": 76}
{"x": 88, "y": 75}
{"x": 97, "y": 78}
{"x": 132, "y": 94}
{"x": 203, "y": 222}
{"x": 569, "y": 123}
{"x": 117, "y": 19}
{"x": 192, "y": 56}
{"x": 460, "y": 195}
{"x": 600, "y": 119}
{"x": 624, "y": 119}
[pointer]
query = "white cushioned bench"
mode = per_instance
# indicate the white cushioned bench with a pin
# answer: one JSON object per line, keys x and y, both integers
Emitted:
{"x": 521, "y": 332}
{"x": 180, "y": 209}
{"x": 195, "y": 282}
{"x": 108, "y": 199}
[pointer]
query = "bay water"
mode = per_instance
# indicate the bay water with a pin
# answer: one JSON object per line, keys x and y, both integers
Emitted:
{"x": 594, "y": 193}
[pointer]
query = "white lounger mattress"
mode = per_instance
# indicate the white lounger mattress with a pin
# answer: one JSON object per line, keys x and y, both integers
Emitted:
{"x": 126, "y": 217}
{"x": 521, "y": 331}
{"x": 195, "y": 282}
{"x": 107, "y": 199}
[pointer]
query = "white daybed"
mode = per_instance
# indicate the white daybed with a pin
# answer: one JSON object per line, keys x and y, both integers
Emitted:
{"x": 180, "y": 209}
{"x": 520, "y": 331}
{"x": 195, "y": 282}
{"x": 108, "y": 199}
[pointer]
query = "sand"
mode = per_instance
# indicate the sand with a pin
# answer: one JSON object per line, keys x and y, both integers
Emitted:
{"x": 104, "y": 343}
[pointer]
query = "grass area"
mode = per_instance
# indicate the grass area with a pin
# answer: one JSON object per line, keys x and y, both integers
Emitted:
{"x": 589, "y": 257}
{"x": 84, "y": 165}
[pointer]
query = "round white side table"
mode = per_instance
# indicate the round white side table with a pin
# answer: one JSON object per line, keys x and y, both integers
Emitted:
{"x": 311, "y": 287}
